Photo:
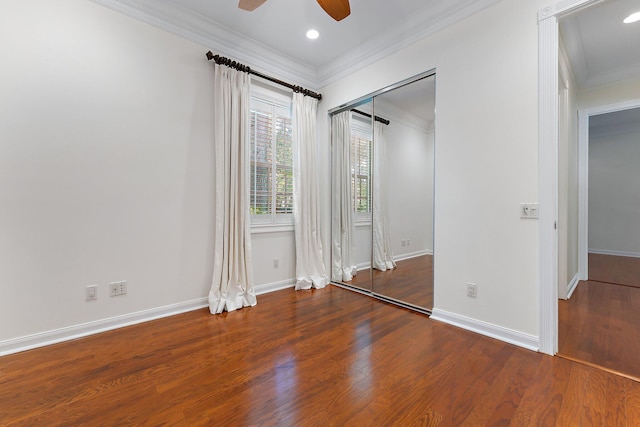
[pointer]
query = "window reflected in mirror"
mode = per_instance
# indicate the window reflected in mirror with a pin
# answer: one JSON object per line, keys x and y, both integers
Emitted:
{"x": 383, "y": 191}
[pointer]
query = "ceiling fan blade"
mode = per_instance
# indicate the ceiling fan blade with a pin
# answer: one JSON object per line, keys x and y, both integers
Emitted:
{"x": 337, "y": 9}
{"x": 250, "y": 4}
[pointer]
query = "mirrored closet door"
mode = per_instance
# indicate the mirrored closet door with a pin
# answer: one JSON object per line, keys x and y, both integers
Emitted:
{"x": 382, "y": 206}
{"x": 351, "y": 162}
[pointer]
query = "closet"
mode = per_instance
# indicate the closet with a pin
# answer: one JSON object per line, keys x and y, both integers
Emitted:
{"x": 382, "y": 160}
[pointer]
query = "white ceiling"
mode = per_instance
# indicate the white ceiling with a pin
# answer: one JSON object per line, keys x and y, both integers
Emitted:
{"x": 272, "y": 37}
{"x": 601, "y": 48}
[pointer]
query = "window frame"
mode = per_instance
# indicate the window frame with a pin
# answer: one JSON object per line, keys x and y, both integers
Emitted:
{"x": 278, "y": 102}
{"x": 362, "y": 129}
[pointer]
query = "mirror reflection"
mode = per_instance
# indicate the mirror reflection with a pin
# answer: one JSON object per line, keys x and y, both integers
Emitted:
{"x": 382, "y": 228}
{"x": 403, "y": 170}
{"x": 351, "y": 135}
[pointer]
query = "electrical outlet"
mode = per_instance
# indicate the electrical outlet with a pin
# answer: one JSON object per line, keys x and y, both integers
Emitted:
{"x": 91, "y": 293}
{"x": 408, "y": 242}
{"x": 118, "y": 288}
{"x": 403, "y": 242}
{"x": 472, "y": 290}
{"x": 276, "y": 262}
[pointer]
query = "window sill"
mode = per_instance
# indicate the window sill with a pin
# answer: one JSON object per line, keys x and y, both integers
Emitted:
{"x": 271, "y": 228}
{"x": 362, "y": 223}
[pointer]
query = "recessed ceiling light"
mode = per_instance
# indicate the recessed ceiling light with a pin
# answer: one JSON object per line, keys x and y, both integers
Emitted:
{"x": 632, "y": 18}
{"x": 312, "y": 34}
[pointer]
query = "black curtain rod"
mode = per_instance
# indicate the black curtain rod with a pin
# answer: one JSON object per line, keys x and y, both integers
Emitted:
{"x": 377, "y": 118}
{"x": 221, "y": 60}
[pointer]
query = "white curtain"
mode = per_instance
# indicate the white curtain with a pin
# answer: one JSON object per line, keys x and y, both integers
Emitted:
{"x": 382, "y": 254}
{"x": 232, "y": 282}
{"x": 343, "y": 267}
{"x": 310, "y": 270}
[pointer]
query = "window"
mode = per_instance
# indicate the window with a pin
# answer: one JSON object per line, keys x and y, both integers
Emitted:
{"x": 361, "y": 153}
{"x": 271, "y": 194}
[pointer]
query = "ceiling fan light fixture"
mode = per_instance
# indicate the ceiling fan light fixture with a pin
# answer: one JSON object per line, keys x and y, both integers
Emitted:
{"x": 312, "y": 34}
{"x": 634, "y": 17}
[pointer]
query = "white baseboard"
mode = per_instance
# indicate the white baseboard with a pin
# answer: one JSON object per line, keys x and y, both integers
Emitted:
{"x": 410, "y": 255}
{"x": 615, "y": 253}
{"x": 363, "y": 266}
{"x": 401, "y": 257}
{"x": 520, "y": 339}
{"x": 16, "y": 345}
{"x": 275, "y": 286}
{"x": 42, "y": 339}
{"x": 572, "y": 285}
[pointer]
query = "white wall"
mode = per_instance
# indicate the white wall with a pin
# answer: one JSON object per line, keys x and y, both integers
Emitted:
{"x": 105, "y": 163}
{"x": 614, "y": 195}
{"x": 105, "y": 168}
{"x": 486, "y": 157}
{"x": 410, "y": 188}
{"x": 607, "y": 94}
{"x": 269, "y": 246}
{"x": 362, "y": 244}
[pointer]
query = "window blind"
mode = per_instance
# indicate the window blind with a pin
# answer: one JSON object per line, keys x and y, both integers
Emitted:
{"x": 271, "y": 160}
{"x": 361, "y": 173}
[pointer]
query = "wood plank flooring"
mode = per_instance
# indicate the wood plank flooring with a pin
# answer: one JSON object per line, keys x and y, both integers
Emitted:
{"x": 411, "y": 281}
{"x": 614, "y": 269}
{"x": 600, "y": 324}
{"x": 327, "y": 357}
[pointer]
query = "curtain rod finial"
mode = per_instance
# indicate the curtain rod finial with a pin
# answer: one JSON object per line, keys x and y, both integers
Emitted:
{"x": 209, "y": 56}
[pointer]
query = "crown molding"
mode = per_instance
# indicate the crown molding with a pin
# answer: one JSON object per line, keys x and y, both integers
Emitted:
{"x": 612, "y": 76}
{"x": 584, "y": 75}
{"x": 419, "y": 27}
{"x": 408, "y": 118}
{"x": 174, "y": 18}
{"x": 574, "y": 48}
{"x": 563, "y": 7}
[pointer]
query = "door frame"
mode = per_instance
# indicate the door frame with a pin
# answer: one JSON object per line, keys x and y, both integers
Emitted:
{"x": 548, "y": 49}
{"x": 583, "y": 177}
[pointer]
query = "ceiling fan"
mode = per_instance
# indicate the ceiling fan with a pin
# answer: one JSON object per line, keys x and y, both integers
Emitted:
{"x": 337, "y": 9}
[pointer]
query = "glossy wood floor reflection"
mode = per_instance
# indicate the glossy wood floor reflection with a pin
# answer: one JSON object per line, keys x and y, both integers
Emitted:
{"x": 614, "y": 269}
{"x": 329, "y": 357}
{"x": 600, "y": 324}
{"x": 411, "y": 281}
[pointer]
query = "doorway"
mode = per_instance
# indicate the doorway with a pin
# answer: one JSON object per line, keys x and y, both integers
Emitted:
{"x": 549, "y": 42}
{"x": 597, "y": 325}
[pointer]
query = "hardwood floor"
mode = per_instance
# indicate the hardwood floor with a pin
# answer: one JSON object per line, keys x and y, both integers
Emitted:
{"x": 328, "y": 357}
{"x": 614, "y": 269}
{"x": 600, "y": 324}
{"x": 411, "y": 281}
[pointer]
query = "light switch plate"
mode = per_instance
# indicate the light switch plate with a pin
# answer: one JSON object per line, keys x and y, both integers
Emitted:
{"x": 529, "y": 211}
